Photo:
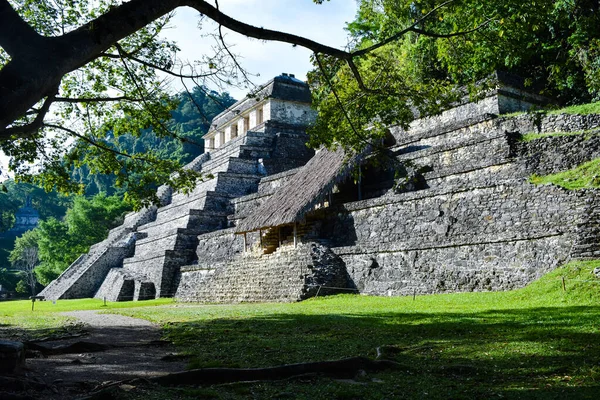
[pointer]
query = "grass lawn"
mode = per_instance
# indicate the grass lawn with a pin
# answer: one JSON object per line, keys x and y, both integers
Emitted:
{"x": 584, "y": 176}
{"x": 537, "y": 342}
{"x": 582, "y": 109}
{"x": 17, "y": 321}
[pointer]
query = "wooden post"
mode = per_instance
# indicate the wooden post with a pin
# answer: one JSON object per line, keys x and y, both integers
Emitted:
{"x": 279, "y": 235}
{"x": 295, "y": 235}
{"x": 245, "y": 242}
{"x": 260, "y": 236}
{"x": 563, "y": 284}
{"x": 330, "y": 198}
{"x": 359, "y": 183}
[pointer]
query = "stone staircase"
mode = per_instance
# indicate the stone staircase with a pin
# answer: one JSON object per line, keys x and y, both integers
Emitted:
{"x": 287, "y": 275}
{"x": 84, "y": 276}
{"x": 171, "y": 238}
{"x": 78, "y": 280}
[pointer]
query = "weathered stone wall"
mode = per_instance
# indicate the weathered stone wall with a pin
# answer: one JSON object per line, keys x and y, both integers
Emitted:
{"x": 219, "y": 246}
{"x": 476, "y": 225}
{"x": 290, "y": 274}
{"x": 480, "y": 225}
{"x": 488, "y": 238}
{"x": 291, "y": 112}
{"x": 553, "y": 154}
{"x": 88, "y": 281}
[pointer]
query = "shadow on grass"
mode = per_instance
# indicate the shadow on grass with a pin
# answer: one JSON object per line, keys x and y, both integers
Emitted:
{"x": 528, "y": 353}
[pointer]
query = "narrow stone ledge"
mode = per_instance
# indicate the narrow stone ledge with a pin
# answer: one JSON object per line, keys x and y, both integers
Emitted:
{"x": 365, "y": 248}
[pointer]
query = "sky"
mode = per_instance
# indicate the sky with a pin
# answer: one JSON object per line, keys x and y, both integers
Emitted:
{"x": 323, "y": 23}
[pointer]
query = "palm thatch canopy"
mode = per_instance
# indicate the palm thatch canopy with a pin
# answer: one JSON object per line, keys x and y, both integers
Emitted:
{"x": 308, "y": 187}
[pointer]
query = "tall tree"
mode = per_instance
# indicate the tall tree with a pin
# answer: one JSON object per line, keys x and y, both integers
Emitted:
{"x": 59, "y": 243}
{"x": 26, "y": 265}
{"x": 553, "y": 44}
{"x": 99, "y": 63}
{"x": 25, "y": 258}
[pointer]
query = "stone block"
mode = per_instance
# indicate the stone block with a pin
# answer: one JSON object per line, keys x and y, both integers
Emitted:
{"x": 12, "y": 357}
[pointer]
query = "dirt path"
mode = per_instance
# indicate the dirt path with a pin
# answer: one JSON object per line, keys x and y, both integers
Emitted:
{"x": 133, "y": 350}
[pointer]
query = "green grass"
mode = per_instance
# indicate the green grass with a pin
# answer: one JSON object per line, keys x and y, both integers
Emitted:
{"x": 537, "y": 342}
{"x": 584, "y": 176}
{"x": 17, "y": 321}
{"x": 583, "y": 109}
{"x": 528, "y": 137}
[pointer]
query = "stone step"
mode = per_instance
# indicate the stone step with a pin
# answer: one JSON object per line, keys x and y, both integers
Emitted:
{"x": 208, "y": 201}
{"x": 192, "y": 224}
{"x": 430, "y": 129}
{"x": 587, "y": 240}
{"x": 254, "y": 152}
{"x": 158, "y": 254}
{"x": 197, "y": 163}
{"x": 231, "y": 164}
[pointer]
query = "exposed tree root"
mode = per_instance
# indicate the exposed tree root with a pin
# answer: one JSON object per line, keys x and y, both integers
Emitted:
{"x": 57, "y": 338}
{"x": 19, "y": 384}
{"x": 344, "y": 368}
{"x": 77, "y": 347}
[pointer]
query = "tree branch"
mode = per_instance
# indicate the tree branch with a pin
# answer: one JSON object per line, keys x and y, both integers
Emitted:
{"x": 398, "y": 35}
{"x": 261, "y": 33}
{"x": 129, "y": 56}
{"x": 35, "y": 125}
{"x": 340, "y": 104}
{"x": 16, "y": 36}
{"x": 450, "y": 35}
{"x": 95, "y": 99}
{"x": 38, "y": 64}
{"x": 96, "y": 144}
{"x": 30, "y": 74}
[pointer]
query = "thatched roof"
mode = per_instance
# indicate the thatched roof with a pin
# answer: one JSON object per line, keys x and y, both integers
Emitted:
{"x": 303, "y": 191}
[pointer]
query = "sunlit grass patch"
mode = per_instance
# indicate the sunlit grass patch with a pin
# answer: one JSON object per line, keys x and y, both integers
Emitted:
{"x": 584, "y": 176}
{"x": 582, "y": 109}
{"x": 18, "y": 320}
{"x": 531, "y": 136}
{"x": 536, "y": 342}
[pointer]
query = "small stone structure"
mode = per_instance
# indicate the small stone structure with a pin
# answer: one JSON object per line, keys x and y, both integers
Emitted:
{"x": 473, "y": 223}
{"x": 12, "y": 357}
{"x": 26, "y": 218}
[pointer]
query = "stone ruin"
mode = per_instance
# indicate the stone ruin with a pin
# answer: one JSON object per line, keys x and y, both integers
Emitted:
{"x": 473, "y": 223}
{"x": 26, "y": 218}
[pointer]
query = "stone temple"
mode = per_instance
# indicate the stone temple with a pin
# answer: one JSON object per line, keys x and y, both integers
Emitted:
{"x": 26, "y": 219}
{"x": 273, "y": 221}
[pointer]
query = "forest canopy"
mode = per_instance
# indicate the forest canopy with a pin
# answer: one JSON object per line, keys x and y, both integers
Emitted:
{"x": 554, "y": 45}
{"x": 102, "y": 59}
